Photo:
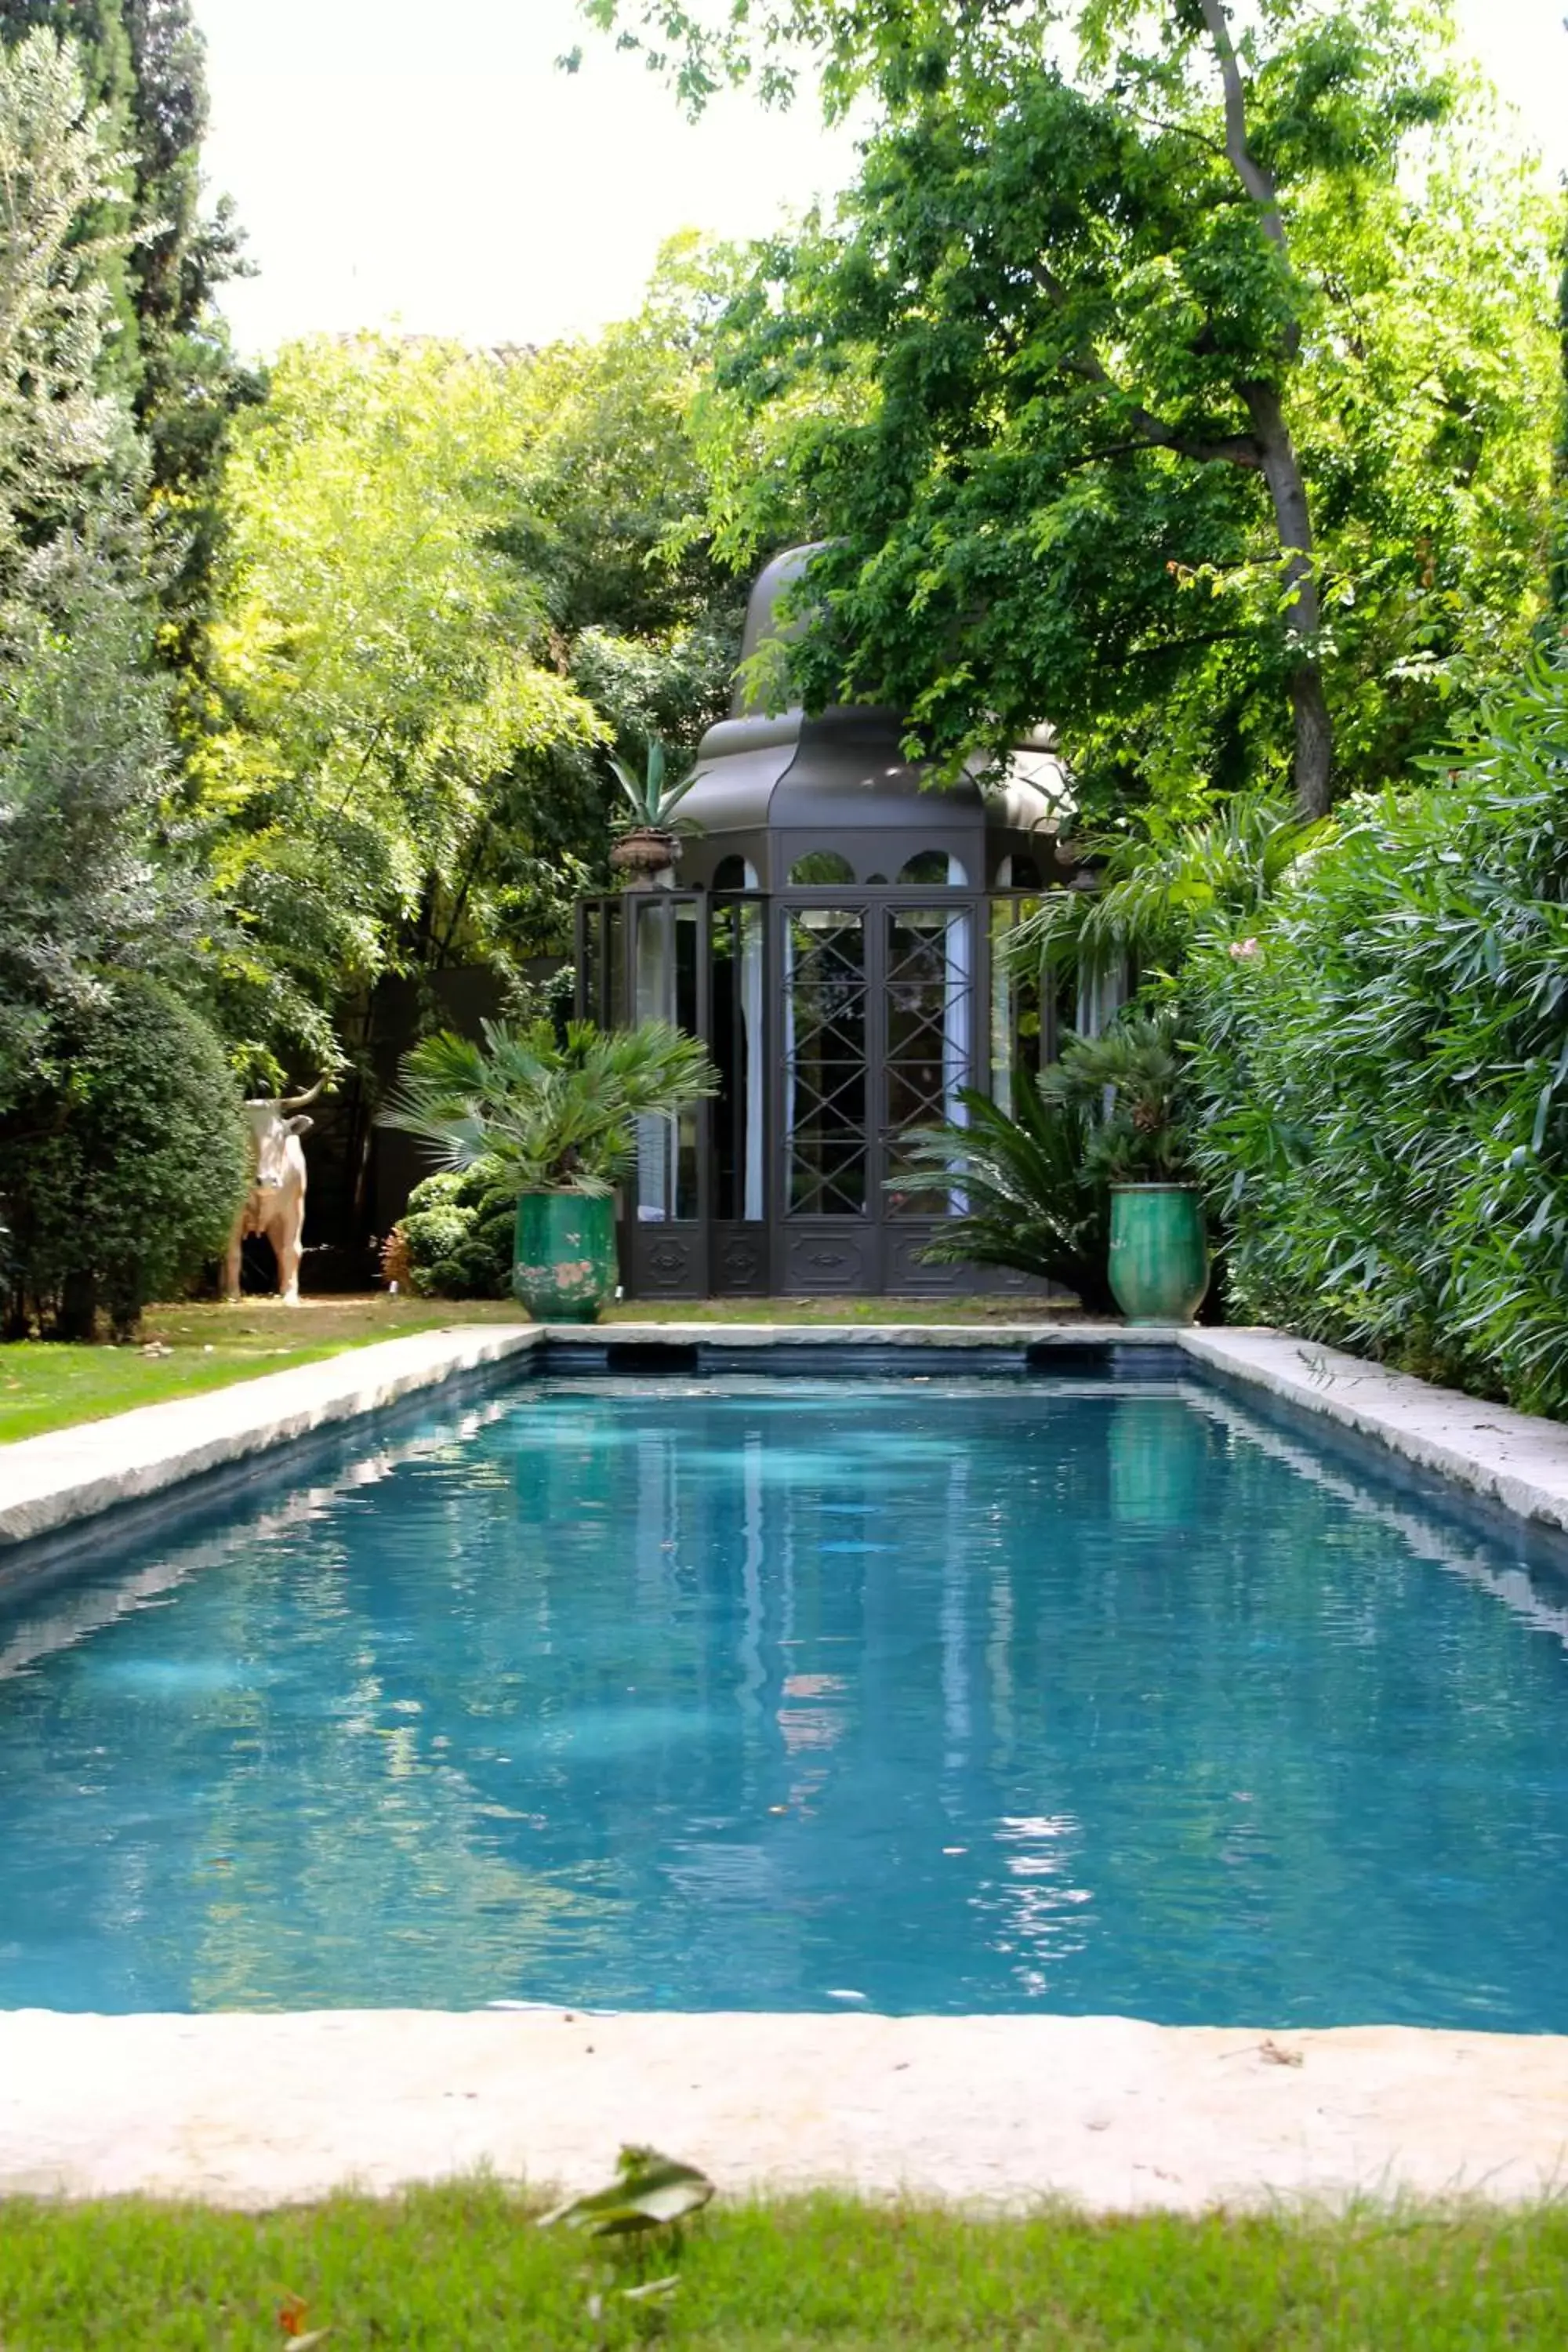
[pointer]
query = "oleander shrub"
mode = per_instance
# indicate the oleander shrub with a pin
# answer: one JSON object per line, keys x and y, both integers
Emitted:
{"x": 457, "y": 1235}
{"x": 122, "y": 1161}
{"x": 1382, "y": 1069}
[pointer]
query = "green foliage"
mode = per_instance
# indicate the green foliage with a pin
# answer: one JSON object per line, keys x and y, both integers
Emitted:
{"x": 190, "y": 384}
{"x": 899, "y": 47}
{"x": 1035, "y": 1180}
{"x": 107, "y": 1197}
{"x": 612, "y": 490}
{"x": 124, "y": 1160}
{"x": 650, "y": 2191}
{"x": 64, "y": 439}
{"x": 154, "y": 261}
{"x": 1098, "y": 422}
{"x": 1032, "y": 1198}
{"x": 449, "y": 579}
{"x": 458, "y": 1233}
{"x": 552, "y": 1117}
{"x": 89, "y": 882}
{"x": 1383, "y": 1075}
{"x": 1160, "y": 884}
{"x": 379, "y": 667}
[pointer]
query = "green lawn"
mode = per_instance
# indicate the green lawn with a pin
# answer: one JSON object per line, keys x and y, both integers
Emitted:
{"x": 45, "y": 1386}
{"x": 466, "y": 2268}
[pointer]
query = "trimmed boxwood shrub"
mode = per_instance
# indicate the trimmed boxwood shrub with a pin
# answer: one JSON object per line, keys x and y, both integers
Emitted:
{"x": 1384, "y": 1069}
{"x": 458, "y": 1234}
{"x": 123, "y": 1163}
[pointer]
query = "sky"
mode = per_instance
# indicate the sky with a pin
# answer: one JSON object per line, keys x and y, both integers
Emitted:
{"x": 429, "y": 167}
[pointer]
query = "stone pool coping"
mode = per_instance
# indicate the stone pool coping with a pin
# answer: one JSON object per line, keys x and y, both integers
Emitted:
{"x": 47, "y": 1484}
{"x": 1110, "y": 2112}
{"x": 50, "y": 1481}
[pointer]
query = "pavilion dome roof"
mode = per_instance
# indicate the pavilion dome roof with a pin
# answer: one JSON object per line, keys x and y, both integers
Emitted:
{"x": 778, "y": 789}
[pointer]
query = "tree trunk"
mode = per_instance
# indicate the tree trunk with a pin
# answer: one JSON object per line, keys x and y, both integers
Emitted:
{"x": 77, "y": 1316}
{"x": 1314, "y": 770}
{"x": 1315, "y": 759}
{"x": 1315, "y": 755}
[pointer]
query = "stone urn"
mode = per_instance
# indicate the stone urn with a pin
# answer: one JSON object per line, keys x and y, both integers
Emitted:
{"x": 644, "y": 853}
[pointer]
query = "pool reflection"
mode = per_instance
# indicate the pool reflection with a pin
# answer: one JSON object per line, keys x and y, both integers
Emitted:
{"x": 951, "y": 1695}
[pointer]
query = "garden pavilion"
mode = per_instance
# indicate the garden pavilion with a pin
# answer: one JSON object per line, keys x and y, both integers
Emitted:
{"x": 833, "y": 938}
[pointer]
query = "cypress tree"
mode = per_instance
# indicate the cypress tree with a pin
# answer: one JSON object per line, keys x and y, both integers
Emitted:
{"x": 144, "y": 62}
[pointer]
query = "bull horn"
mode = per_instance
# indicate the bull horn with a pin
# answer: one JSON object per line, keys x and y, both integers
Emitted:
{"x": 298, "y": 1102}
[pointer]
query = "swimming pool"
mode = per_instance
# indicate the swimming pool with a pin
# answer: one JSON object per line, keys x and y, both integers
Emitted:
{"x": 952, "y": 1693}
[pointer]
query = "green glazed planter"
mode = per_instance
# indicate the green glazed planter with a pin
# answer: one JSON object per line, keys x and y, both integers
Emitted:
{"x": 563, "y": 1257}
{"x": 1159, "y": 1259}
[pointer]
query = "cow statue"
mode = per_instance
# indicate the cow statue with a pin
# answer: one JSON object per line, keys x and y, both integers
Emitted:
{"x": 275, "y": 1205}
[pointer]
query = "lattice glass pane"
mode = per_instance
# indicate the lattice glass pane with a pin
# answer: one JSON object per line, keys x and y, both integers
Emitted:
{"x": 929, "y": 990}
{"x": 824, "y": 1042}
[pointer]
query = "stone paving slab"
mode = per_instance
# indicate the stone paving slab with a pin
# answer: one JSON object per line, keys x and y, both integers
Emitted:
{"x": 1514, "y": 1459}
{"x": 49, "y": 1481}
{"x": 249, "y": 2110}
{"x": 1057, "y": 1333}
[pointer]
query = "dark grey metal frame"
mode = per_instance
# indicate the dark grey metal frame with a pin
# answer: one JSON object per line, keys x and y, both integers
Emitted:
{"x": 783, "y": 1253}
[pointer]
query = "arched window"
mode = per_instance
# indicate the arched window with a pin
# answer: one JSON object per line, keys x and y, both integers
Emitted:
{"x": 734, "y": 873}
{"x": 819, "y": 868}
{"x": 930, "y": 867}
{"x": 1018, "y": 874}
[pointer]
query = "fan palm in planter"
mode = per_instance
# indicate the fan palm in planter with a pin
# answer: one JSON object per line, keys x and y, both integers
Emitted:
{"x": 648, "y": 845}
{"x": 558, "y": 1119}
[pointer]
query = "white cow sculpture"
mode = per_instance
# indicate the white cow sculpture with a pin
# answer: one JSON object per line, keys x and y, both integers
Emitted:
{"x": 275, "y": 1205}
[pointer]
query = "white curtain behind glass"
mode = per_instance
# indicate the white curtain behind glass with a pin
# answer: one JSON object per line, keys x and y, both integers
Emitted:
{"x": 655, "y": 1001}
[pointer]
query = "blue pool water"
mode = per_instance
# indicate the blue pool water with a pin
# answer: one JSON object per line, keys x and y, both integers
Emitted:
{"x": 953, "y": 1694}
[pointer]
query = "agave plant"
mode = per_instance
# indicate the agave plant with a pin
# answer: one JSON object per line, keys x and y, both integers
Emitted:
{"x": 1033, "y": 1198}
{"x": 552, "y": 1116}
{"x": 654, "y": 796}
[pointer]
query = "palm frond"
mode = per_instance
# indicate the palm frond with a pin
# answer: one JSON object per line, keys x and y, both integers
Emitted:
{"x": 1032, "y": 1199}
{"x": 1130, "y": 1085}
{"x": 554, "y": 1115}
{"x": 1153, "y": 898}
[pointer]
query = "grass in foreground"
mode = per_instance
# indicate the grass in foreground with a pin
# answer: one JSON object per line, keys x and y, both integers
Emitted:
{"x": 464, "y": 2267}
{"x": 45, "y": 1386}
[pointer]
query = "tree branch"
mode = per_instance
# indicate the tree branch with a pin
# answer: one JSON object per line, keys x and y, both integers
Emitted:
{"x": 1257, "y": 182}
{"x": 1230, "y": 449}
{"x": 1176, "y": 645}
{"x": 1233, "y": 449}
